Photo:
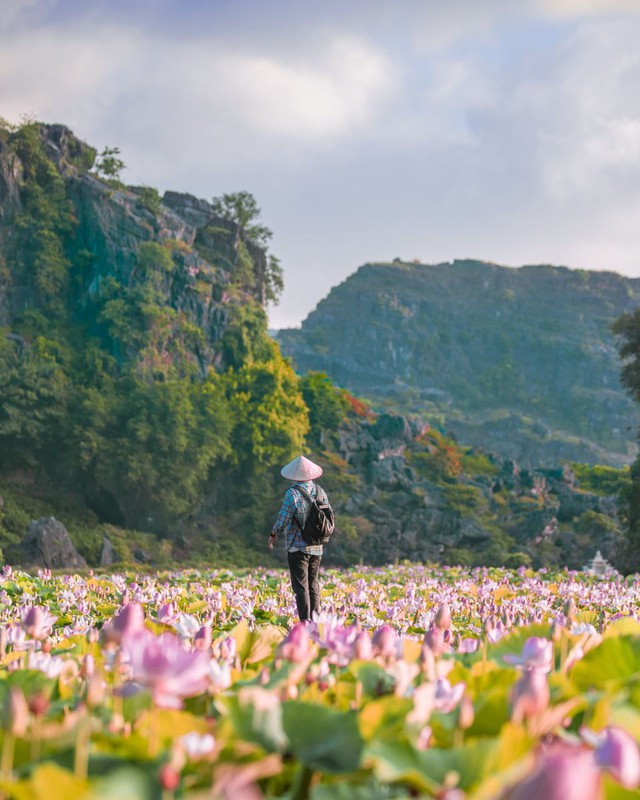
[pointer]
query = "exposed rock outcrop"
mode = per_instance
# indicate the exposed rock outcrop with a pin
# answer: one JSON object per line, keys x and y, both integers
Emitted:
{"x": 47, "y": 544}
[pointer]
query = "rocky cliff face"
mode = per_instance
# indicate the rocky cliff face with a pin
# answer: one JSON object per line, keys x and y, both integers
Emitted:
{"x": 502, "y": 514}
{"x": 111, "y": 222}
{"x": 519, "y": 361}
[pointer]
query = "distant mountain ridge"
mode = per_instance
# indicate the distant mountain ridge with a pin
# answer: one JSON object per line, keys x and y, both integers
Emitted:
{"x": 520, "y": 361}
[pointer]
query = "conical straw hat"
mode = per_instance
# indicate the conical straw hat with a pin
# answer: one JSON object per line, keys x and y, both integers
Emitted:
{"x": 301, "y": 469}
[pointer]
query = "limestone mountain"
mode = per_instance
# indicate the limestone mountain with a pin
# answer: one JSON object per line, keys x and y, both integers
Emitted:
{"x": 519, "y": 361}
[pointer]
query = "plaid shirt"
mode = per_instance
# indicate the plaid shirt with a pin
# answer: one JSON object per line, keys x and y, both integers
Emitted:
{"x": 296, "y": 503}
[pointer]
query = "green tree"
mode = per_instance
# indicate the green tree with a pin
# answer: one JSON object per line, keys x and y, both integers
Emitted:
{"x": 270, "y": 419}
{"x": 151, "y": 444}
{"x": 242, "y": 209}
{"x": 326, "y": 403}
{"x": 628, "y": 329}
{"x": 109, "y": 165}
{"x": 35, "y": 394}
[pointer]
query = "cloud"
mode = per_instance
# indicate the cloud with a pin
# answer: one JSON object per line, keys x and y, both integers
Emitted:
{"x": 226, "y": 102}
{"x": 582, "y": 8}
{"x": 434, "y": 130}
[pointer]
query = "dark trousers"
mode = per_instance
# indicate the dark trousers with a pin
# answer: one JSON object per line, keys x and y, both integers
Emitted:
{"x": 304, "y": 582}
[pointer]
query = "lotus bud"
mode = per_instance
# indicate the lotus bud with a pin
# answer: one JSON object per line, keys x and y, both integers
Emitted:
{"x": 47, "y": 646}
{"x": 434, "y": 639}
{"x": 39, "y": 704}
{"x": 428, "y": 662}
{"x": 424, "y": 738}
{"x": 202, "y": 639}
{"x": 530, "y": 695}
{"x": 385, "y": 642}
{"x": 488, "y": 625}
{"x": 96, "y": 692}
{"x": 555, "y": 632}
{"x": 264, "y": 676}
{"x": 466, "y": 714}
{"x": 228, "y": 648}
{"x": 169, "y": 777}
{"x": 16, "y": 712}
{"x": 297, "y": 645}
{"x": 166, "y": 613}
{"x": 443, "y": 617}
{"x": 127, "y": 622}
{"x": 33, "y": 623}
{"x": 88, "y": 666}
{"x": 93, "y": 635}
{"x": 126, "y": 598}
{"x": 362, "y": 647}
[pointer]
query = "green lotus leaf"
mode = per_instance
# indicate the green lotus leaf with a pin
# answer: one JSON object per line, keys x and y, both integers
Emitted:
{"x": 107, "y": 609}
{"x": 257, "y": 645}
{"x": 491, "y": 711}
{"x": 374, "y": 679}
{"x": 48, "y": 781}
{"x": 399, "y": 762}
{"x": 628, "y": 717}
{"x": 627, "y": 626}
{"x": 256, "y": 716}
{"x": 369, "y": 791}
{"x": 122, "y": 784}
{"x": 384, "y": 718}
{"x": 323, "y": 739}
{"x": 614, "y": 791}
{"x": 612, "y": 664}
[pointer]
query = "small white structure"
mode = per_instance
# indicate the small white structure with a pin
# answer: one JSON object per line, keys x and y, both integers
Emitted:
{"x": 599, "y": 565}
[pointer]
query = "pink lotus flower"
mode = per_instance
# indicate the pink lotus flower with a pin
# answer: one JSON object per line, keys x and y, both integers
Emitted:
{"x": 128, "y": 622}
{"x": 362, "y": 648}
{"x": 617, "y": 752}
{"x": 435, "y": 640}
{"x": 385, "y": 642}
{"x": 297, "y": 645}
{"x": 443, "y": 617}
{"x": 530, "y": 695}
{"x": 202, "y": 639}
{"x": 537, "y": 653}
{"x": 37, "y": 622}
{"x": 163, "y": 665}
{"x": 468, "y": 645}
{"x": 447, "y": 697}
{"x": 167, "y": 613}
{"x": 564, "y": 772}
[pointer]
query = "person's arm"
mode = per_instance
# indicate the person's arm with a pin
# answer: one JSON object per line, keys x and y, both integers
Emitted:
{"x": 287, "y": 510}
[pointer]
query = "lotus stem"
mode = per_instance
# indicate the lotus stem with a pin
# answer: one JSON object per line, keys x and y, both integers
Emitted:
{"x": 6, "y": 759}
{"x": 83, "y": 740}
{"x": 302, "y": 785}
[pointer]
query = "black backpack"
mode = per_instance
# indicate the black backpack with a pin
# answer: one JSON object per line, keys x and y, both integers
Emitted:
{"x": 320, "y": 522}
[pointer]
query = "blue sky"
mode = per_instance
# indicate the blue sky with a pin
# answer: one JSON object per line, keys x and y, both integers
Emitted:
{"x": 493, "y": 129}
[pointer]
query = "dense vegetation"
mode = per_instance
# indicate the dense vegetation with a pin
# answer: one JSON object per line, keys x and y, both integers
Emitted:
{"x": 141, "y": 393}
{"x": 108, "y": 396}
{"x": 628, "y": 329}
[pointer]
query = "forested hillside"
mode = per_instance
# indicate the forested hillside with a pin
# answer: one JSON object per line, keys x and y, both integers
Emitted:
{"x": 144, "y": 405}
{"x": 519, "y": 361}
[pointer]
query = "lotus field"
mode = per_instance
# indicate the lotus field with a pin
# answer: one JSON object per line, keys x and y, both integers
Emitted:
{"x": 413, "y": 682}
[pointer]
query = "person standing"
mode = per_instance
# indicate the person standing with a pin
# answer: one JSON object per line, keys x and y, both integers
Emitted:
{"x": 304, "y": 559}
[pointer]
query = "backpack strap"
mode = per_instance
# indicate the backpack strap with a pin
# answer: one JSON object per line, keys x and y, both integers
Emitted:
{"x": 306, "y": 494}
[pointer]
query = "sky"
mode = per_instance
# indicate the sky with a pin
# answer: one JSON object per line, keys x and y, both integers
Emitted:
{"x": 502, "y": 130}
